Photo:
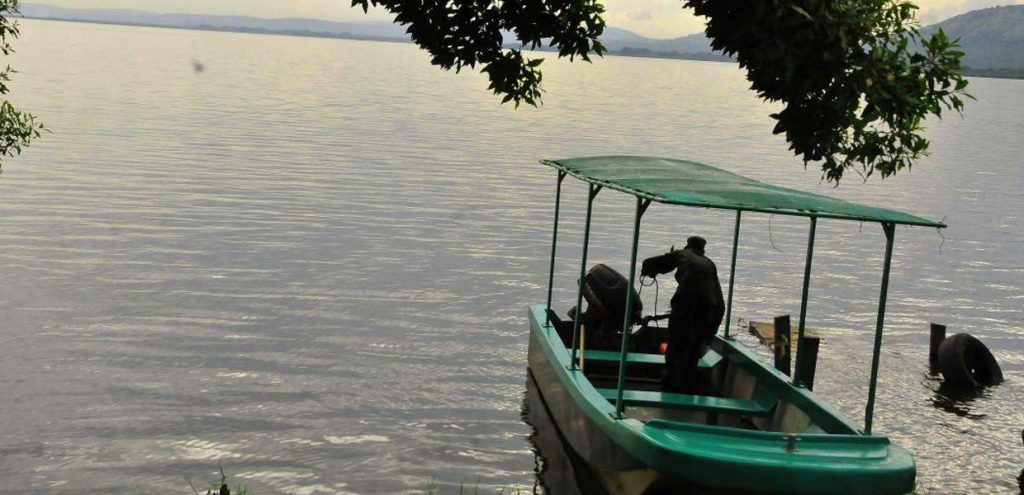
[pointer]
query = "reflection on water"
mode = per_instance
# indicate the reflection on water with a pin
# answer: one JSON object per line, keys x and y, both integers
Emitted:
{"x": 559, "y": 470}
{"x": 957, "y": 400}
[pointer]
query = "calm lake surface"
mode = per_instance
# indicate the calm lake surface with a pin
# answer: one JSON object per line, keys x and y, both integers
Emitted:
{"x": 311, "y": 262}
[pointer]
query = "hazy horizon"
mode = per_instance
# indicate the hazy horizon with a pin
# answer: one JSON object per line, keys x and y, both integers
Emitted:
{"x": 651, "y": 18}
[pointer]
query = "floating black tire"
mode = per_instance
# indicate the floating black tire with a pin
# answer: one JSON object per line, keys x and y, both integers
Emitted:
{"x": 965, "y": 361}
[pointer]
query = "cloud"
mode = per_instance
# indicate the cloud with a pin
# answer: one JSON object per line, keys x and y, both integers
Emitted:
{"x": 640, "y": 15}
{"x": 654, "y": 18}
{"x": 933, "y": 11}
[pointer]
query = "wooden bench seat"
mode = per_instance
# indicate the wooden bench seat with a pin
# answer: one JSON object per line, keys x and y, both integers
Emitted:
{"x": 710, "y": 359}
{"x": 643, "y": 398}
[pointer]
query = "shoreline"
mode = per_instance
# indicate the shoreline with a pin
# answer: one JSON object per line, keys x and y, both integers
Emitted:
{"x": 1012, "y": 74}
{"x": 626, "y": 52}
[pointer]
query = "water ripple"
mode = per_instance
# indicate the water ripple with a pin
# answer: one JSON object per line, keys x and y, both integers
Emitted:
{"x": 311, "y": 262}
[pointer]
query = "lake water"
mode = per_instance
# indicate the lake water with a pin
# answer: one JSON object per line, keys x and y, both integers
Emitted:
{"x": 311, "y": 262}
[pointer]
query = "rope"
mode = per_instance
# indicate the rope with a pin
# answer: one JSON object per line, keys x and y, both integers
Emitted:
{"x": 770, "y": 239}
{"x": 939, "y": 231}
{"x": 657, "y": 292}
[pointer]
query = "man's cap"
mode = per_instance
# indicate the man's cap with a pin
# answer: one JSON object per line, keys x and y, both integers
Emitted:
{"x": 696, "y": 242}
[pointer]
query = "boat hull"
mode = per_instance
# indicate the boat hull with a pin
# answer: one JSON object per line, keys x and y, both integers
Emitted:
{"x": 562, "y": 471}
{"x": 659, "y": 457}
{"x": 586, "y": 438}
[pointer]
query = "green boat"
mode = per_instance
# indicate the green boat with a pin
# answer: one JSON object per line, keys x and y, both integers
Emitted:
{"x": 755, "y": 430}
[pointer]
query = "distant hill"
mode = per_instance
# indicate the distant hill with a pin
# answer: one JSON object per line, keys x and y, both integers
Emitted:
{"x": 619, "y": 41}
{"x": 993, "y": 39}
{"x": 307, "y": 27}
{"x": 694, "y": 47}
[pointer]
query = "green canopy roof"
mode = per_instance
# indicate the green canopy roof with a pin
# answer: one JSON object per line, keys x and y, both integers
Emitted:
{"x": 688, "y": 183}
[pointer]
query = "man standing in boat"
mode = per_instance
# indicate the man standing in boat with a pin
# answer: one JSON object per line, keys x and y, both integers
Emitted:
{"x": 697, "y": 310}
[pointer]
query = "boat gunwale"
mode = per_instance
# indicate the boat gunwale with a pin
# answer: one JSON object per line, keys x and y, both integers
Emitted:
{"x": 634, "y": 437}
{"x": 779, "y": 384}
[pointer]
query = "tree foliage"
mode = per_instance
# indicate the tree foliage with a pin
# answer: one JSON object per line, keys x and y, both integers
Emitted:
{"x": 17, "y": 128}
{"x": 467, "y": 33}
{"x": 855, "y": 78}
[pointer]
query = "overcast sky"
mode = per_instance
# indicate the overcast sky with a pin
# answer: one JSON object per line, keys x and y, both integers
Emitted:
{"x": 654, "y": 18}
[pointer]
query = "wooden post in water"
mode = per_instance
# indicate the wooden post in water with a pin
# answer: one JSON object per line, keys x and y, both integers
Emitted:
{"x": 809, "y": 362}
{"x": 938, "y": 335}
{"x": 782, "y": 354}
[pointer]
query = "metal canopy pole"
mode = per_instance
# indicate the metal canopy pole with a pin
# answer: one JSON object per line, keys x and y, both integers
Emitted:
{"x": 890, "y": 234}
{"x": 627, "y": 322}
{"x": 554, "y": 245}
{"x": 803, "y": 302}
{"x": 732, "y": 272}
{"x": 578, "y": 317}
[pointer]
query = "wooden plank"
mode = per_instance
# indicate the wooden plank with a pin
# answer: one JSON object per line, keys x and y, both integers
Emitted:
{"x": 710, "y": 359}
{"x": 765, "y": 332}
{"x": 645, "y": 398}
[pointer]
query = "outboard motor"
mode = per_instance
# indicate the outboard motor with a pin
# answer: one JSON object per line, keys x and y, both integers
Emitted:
{"x": 605, "y": 291}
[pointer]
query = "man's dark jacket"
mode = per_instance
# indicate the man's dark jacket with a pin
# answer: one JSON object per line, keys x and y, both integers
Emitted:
{"x": 698, "y": 300}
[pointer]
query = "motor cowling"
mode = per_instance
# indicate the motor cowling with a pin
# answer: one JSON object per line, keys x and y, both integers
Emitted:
{"x": 605, "y": 290}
